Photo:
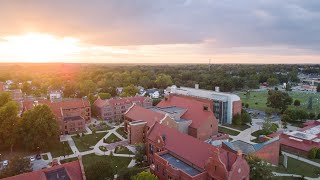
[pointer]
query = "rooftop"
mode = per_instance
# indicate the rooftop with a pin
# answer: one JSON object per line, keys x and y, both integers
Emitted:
{"x": 179, "y": 164}
{"x": 301, "y": 135}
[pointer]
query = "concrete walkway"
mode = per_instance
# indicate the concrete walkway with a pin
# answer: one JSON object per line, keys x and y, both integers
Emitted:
{"x": 245, "y": 135}
{"x": 301, "y": 159}
{"x": 293, "y": 175}
{"x": 132, "y": 163}
{"x": 73, "y": 146}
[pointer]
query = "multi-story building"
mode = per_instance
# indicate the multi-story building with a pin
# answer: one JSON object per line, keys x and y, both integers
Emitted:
{"x": 72, "y": 115}
{"x": 174, "y": 155}
{"x": 113, "y": 109}
{"x": 224, "y": 105}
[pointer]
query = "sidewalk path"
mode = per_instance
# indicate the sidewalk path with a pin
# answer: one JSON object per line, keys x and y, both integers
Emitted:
{"x": 301, "y": 159}
{"x": 293, "y": 175}
{"x": 73, "y": 146}
{"x": 245, "y": 135}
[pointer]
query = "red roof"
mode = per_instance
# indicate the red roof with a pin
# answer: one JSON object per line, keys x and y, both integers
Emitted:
{"x": 58, "y": 105}
{"x": 305, "y": 145}
{"x": 195, "y": 111}
{"x": 100, "y": 103}
{"x": 1, "y": 86}
{"x": 138, "y": 113}
{"x": 73, "y": 170}
{"x": 187, "y": 147}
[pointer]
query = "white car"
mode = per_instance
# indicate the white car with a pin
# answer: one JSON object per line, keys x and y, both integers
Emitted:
{"x": 5, "y": 163}
{"x": 32, "y": 158}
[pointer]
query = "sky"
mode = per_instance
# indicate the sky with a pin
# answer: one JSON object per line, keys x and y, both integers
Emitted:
{"x": 160, "y": 31}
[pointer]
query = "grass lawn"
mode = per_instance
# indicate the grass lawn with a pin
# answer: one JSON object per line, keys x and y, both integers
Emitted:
{"x": 68, "y": 160}
{"x": 298, "y": 167}
{"x": 258, "y": 100}
{"x": 119, "y": 162}
{"x": 257, "y": 133}
{"x": 120, "y": 130}
{"x": 122, "y": 150}
{"x": 45, "y": 157}
{"x": 112, "y": 138}
{"x": 239, "y": 127}
{"x": 99, "y": 127}
{"x": 62, "y": 148}
{"x": 228, "y": 131}
{"x": 85, "y": 142}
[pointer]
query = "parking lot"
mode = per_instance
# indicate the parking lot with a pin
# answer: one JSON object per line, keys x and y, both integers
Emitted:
{"x": 257, "y": 114}
{"x": 35, "y": 164}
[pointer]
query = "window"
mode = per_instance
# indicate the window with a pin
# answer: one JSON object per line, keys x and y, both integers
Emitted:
{"x": 151, "y": 148}
{"x": 163, "y": 171}
{"x": 169, "y": 177}
{"x": 205, "y": 108}
{"x": 157, "y": 167}
{"x": 211, "y": 125}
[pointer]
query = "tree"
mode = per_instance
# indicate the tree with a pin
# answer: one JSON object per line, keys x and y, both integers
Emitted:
{"x": 268, "y": 127}
{"x": 140, "y": 153}
{"x": 87, "y": 87}
{"x": 313, "y": 153}
{"x": 278, "y": 100}
{"x": 245, "y": 117}
{"x": 318, "y": 117}
{"x": 9, "y": 124}
{"x": 145, "y": 82}
{"x": 236, "y": 120}
{"x": 100, "y": 170}
{"x": 130, "y": 90}
{"x": 318, "y": 88}
{"x": 17, "y": 165}
{"x": 144, "y": 176}
{"x": 39, "y": 127}
{"x": 310, "y": 103}
{"x": 285, "y": 118}
{"x": 296, "y": 103}
{"x": 104, "y": 95}
{"x": 5, "y": 97}
{"x": 69, "y": 90}
{"x": 272, "y": 81}
{"x": 127, "y": 173}
{"x": 258, "y": 168}
{"x": 163, "y": 81}
{"x": 312, "y": 115}
{"x": 288, "y": 87}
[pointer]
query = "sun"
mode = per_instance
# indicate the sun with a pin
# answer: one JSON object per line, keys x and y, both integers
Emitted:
{"x": 38, "y": 47}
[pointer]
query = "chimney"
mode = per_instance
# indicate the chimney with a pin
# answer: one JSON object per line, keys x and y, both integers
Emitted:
{"x": 217, "y": 89}
{"x": 196, "y": 86}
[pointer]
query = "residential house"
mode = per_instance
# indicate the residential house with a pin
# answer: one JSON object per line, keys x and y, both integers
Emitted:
{"x": 55, "y": 95}
{"x": 174, "y": 155}
{"x": 69, "y": 171}
{"x": 72, "y": 115}
{"x": 153, "y": 93}
{"x": 113, "y": 109}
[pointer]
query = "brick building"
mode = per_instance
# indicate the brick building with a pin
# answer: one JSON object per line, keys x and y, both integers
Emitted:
{"x": 302, "y": 140}
{"x": 268, "y": 151}
{"x": 224, "y": 105}
{"x": 68, "y": 171}
{"x": 174, "y": 155}
{"x": 113, "y": 109}
{"x": 72, "y": 115}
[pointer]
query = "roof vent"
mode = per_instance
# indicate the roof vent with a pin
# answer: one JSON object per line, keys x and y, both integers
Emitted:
{"x": 164, "y": 137}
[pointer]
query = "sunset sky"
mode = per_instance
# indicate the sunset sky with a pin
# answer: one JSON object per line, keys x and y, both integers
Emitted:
{"x": 160, "y": 31}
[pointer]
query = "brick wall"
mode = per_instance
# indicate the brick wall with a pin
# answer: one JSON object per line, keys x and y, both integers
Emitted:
{"x": 207, "y": 129}
{"x": 270, "y": 153}
{"x": 136, "y": 132}
{"x": 237, "y": 106}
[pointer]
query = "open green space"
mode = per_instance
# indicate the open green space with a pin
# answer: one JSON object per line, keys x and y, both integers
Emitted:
{"x": 61, "y": 149}
{"x": 116, "y": 162}
{"x": 112, "y": 139}
{"x": 258, "y": 100}
{"x": 120, "y": 130}
{"x": 298, "y": 167}
{"x": 100, "y": 127}
{"x": 239, "y": 127}
{"x": 68, "y": 160}
{"x": 228, "y": 131}
{"x": 85, "y": 142}
{"x": 122, "y": 150}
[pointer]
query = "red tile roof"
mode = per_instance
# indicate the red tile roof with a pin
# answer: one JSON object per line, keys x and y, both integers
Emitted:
{"x": 1, "y": 86}
{"x": 194, "y": 108}
{"x": 58, "y": 105}
{"x": 187, "y": 147}
{"x": 73, "y": 169}
{"x": 305, "y": 145}
{"x": 137, "y": 113}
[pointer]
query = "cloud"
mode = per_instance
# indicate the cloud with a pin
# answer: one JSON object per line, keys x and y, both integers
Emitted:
{"x": 231, "y": 24}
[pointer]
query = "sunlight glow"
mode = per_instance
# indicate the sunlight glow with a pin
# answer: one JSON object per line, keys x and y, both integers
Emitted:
{"x": 37, "y": 47}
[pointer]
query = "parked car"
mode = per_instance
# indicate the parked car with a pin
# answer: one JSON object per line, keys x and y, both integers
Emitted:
{"x": 32, "y": 158}
{"x": 5, "y": 163}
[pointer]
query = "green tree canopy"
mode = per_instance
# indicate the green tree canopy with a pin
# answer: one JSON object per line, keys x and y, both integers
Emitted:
{"x": 39, "y": 127}
{"x": 140, "y": 153}
{"x": 5, "y": 97}
{"x": 272, "y": 81}
{"x": 9, "y": 124}
{"x": 17, "y": 165}
{"x": 87, "y": 87}
{"x": 278, "y": 100}
{"x": 296, "y": 103}
{"x": 130, "y": 90}
{"x": 104, "y": 95}
{"x": 144, "y": 176}
{"x": 318, "y": 88}
{"x": 163, "y": 81}
{"x": 258, "y": 168}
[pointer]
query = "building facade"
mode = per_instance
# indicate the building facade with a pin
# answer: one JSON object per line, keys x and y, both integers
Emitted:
{"x": 224, "y": 105}
{"x": 71, "y": 115}
{"x": 113, "y": 109}
{"x": 174, "y": 155}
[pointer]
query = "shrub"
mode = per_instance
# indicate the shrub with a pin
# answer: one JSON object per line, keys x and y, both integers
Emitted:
{"x": 236, "y": 120}
{"x": 247, "y": 105}
{"x": 313, "y": 153}
{"x": 318, "y": 154}
{"x": 256, "y": 103}
{"x": 78, "y": 135}
{"x": 312, "y": 115}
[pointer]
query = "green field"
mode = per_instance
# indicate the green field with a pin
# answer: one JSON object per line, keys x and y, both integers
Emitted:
{"x": 258, "y": 100}
{"x": 228, "y": 131}
{"x": 85, "y": 142}
{"x": 112, "y": 139}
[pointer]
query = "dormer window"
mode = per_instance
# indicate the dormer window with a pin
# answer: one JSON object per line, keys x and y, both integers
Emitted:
{"x": 205, "y": 108}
